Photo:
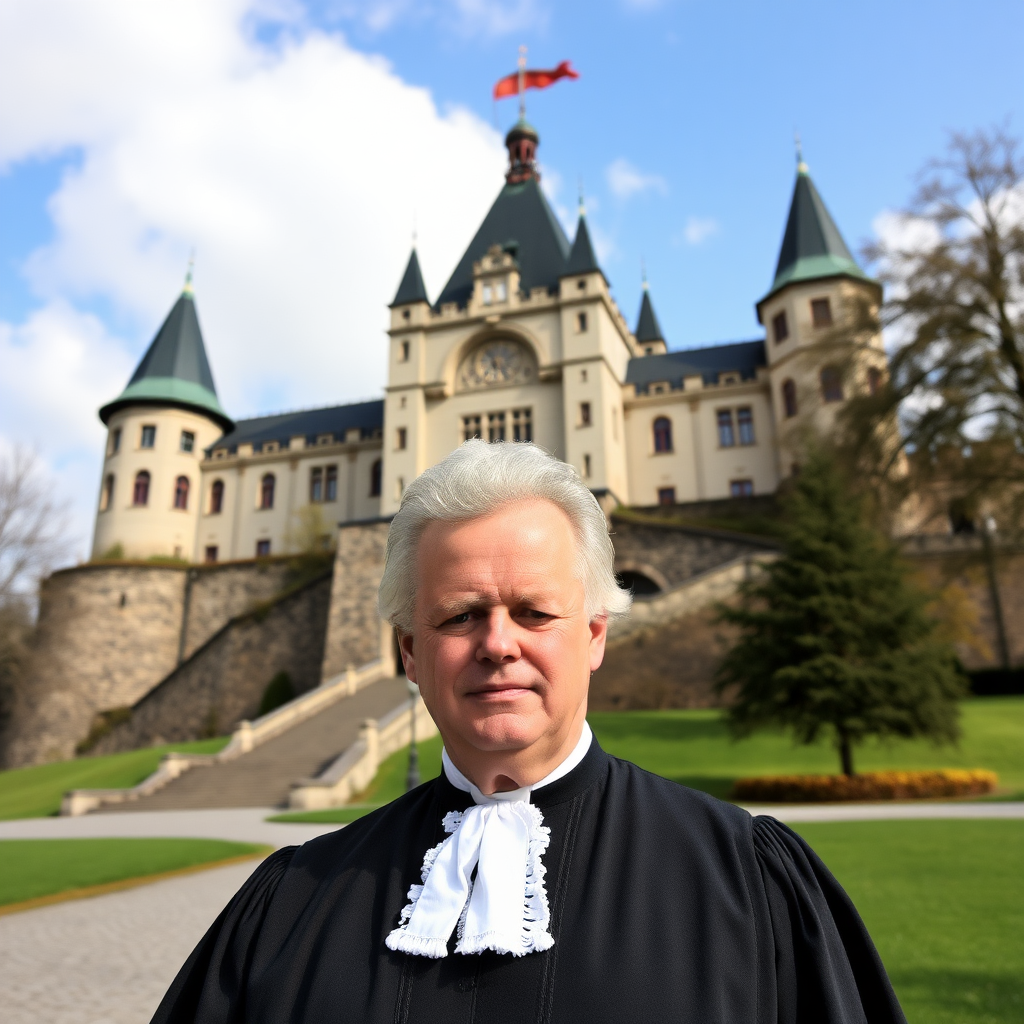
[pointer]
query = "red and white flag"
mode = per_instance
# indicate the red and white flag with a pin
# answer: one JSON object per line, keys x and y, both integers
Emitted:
{"x": 510, "y": 84}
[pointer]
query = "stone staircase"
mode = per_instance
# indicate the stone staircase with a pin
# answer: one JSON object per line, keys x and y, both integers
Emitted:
{"x": 263, "y": 777}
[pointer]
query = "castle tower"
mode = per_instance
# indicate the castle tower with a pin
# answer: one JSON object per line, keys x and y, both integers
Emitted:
{"x": 818, "y": 292}
{"x": 650, "y": 338}
{"x": 157, "y": 429}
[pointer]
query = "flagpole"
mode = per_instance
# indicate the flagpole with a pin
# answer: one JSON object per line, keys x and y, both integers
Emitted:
{"x": 522, "y": 76}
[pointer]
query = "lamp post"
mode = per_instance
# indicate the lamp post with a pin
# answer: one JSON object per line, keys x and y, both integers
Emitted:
{"x": 412, "y": 778}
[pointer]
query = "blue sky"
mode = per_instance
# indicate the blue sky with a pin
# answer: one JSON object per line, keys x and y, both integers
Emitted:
{"x": 294, "y": 146}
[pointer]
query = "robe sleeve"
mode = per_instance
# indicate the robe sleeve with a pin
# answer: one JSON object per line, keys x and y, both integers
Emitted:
{"x": 210, "y": 987}
{"x": 828, "y": 969}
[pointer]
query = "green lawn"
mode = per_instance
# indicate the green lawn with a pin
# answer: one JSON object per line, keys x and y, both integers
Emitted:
{"x": 944, "y": 902}
{"x": 32, "y": 868}
{"x": 693, "y": 747}
{"x": 36, "y": 792}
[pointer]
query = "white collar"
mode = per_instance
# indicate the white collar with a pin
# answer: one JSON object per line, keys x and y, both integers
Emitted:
{"x": 459, "y": 781}
{"x": 485, "y": 882}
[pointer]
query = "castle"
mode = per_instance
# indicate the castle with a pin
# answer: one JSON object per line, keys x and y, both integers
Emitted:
{"x": 524, "y": 343}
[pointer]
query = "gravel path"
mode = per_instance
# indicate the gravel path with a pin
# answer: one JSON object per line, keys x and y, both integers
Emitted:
{"x": 107, "y": 960}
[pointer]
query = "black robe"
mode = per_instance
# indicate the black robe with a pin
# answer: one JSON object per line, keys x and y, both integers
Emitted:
{"x": 666, "y": 905}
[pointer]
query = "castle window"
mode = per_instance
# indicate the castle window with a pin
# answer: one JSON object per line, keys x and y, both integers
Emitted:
{"x": 263, "y": 549}
{"x": 874, "y": 379}
{"x": 140, "y": 495}
{"x": 500, "y": 292}
{"x": 821, "y": 313}
{"x": 470, "y": 427}
{"x": 216, "y": 497}
{"x": 115, "y": 441}
{"x": 581, "y": 322}
{"x": 316, "y": 484}
{"x": 375, "y": 479}
{"x": 405, "y": 352}
{"x": 487, "y": 294}
{"x": 211, "y": 553}
{"x": 148, "y": 438}
{"x": 181, "y": 493}
{"x": 583, "y": 376}
{"x": 780, "y": 327}
{"x": 745, "y": 421}
{"x": 581, "y": 284}
{"x": 107, "y": 494}
{"x": 831, "y": 384}
{"x": 267, "y": 492}
{"x": 789, "y": 398}
{"x": 405, "y": 314}
{"x": 586, "y": 467}
{"x": 585, "y": 420}
{"x": 401, "y": 438}
{"x": 324, "y": 438}
{"x": 649, "y": 350}
{"x": 522, "y": 425}
{"x": 663, "y": 434}
{"x": 666, "y": 495}
{"x": 331, "y": 483}
{"x": 495, "y": 426}
{"x": 726, "y": 434}
{"x": 188, "y": 441}
{"x": 741, "y": 488}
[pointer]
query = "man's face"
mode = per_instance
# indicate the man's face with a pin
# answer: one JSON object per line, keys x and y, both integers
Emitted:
{"x": 501, "y": 646}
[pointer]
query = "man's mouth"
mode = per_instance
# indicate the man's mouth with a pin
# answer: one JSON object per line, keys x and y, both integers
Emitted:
{"x": 500, "y": 691}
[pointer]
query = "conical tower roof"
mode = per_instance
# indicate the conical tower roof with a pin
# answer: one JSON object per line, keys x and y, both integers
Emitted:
{"x": 812, "y": 246}
{"x": 174, "y": 371}
{"x": 412, "y": 288}
{"x": 582, "y": 259}
{"x": 647, "y": 326}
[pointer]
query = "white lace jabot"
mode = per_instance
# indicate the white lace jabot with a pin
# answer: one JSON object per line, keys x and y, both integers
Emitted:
{"x": 505, "y": 906}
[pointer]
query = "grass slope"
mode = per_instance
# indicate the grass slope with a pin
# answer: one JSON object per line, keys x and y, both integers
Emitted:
{"x": 693, "y": 748}
{"x": 36, "y": 792}
{"x": 33, "y": 868}
{"x": 944, "y": 902}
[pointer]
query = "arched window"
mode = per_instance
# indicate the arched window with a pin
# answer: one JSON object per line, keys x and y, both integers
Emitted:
{"x": 663, "y": 434}
{"x": 216, "y": 497}
{"x": 181, "y": 493}
{"x": 140, "y": 496}
{"x": 267, "y": 491}
{"x": 874, "y": 379}
{"x": 375, "y": 479}
{"x": 831, "y": 384}
{"x": 789, "y": 398}
{"x": 107, "y": 494}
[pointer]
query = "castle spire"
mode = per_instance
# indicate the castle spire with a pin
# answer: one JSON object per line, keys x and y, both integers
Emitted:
{"x": 412, "y": 288}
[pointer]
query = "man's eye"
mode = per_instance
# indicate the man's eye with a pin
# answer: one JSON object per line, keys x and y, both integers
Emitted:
{"x": 458, "y": 620}
{"x": 536, "y": 615}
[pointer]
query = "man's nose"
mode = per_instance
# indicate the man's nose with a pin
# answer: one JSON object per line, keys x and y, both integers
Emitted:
{"x": 498, "y": 642}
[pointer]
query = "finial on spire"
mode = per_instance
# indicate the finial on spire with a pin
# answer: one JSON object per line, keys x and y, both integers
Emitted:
{"x": 643, "y": 273}
{"x": 187, "y": 290}
{"x": 583, "y": 204}
{"x": 801, "y": 167}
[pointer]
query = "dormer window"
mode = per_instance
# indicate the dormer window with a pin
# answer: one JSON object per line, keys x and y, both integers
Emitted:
{"x": 821, "y": 313}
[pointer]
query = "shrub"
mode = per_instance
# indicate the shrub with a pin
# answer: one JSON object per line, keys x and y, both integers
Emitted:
{"x": 866, "y": 786}
{"x": 102, "y": 725}
{"x": 279, "y": 691}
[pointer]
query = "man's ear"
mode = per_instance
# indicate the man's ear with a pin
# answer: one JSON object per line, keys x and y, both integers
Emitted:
{"x": 598, "y": 636}
{"x": 408, "y": 658}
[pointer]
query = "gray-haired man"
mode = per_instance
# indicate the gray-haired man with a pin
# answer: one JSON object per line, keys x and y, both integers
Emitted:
{"x": 538, "y": 878}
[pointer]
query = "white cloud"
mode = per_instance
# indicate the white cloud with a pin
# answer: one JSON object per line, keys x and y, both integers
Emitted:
{"x": 699, "y": 229}
{"x": 625, "y": 180}
{"x": 295, "y": 171}
{"x": 488, "y": 18}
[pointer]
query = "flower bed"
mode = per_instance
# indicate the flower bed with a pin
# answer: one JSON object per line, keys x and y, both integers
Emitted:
{"x": 867, "y": 786}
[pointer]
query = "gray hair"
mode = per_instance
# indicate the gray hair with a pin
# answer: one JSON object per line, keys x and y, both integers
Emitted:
{"x": 478, "y": 479}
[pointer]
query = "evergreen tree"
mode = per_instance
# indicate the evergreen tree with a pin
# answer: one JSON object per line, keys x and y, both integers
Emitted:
{"x": 834, "y": 640}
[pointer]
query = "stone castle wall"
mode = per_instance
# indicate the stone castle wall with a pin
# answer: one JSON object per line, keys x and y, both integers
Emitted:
{"x": 106, "y": 635}
{"x": 355, "y": 633}
{"x": 223, "y": 682}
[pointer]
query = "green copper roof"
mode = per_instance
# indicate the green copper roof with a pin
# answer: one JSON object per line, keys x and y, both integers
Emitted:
{"x": 174, "y": 370}
{"x": 647, "y": 326}
{"x": 582, "y": 259}
{"x": 412, "y": 288}
{"x": 522, "y": 222}
{"x": 812, "y": 246}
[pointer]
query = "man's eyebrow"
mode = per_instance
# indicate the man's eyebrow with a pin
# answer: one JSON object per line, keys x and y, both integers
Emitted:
{"x": 449, "y": 606}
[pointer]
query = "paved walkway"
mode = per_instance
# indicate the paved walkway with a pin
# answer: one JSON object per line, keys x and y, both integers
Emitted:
{"x": 107, "y": 960}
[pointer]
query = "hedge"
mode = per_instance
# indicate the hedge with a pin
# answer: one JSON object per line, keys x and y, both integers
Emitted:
{"x": 866, "y": 786}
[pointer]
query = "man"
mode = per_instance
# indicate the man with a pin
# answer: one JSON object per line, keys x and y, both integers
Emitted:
{"x": 537, "y": 879}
